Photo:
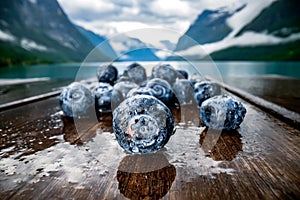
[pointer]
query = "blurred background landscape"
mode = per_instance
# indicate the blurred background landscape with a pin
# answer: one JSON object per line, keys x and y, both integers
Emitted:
{"x": 35, "y": 31}
{"x": 254, "y": 45}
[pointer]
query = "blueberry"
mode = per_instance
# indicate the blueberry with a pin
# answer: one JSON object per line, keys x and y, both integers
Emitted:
{"x": 165, "y": 72}
{"x": 75, "y": 100}
{"x": 161, "y": 89}
{"x": 196, "y": 79}
{"x": 116, "y": 98}
{"x": 137, "y": 73}
{"x": 125, "y": 86}
{"x": 103, "y": 93}
{"x": 89, "y": 84}
{"x": 101, "y": 88}
{"x": 107, "y": 73}
{"x": 123, "y": 78}
{"x": 182, "y": 74}
{"x": 204, "y": 90}
{"x": 222, "y": 112}
{"x": 142, "y": 124}
{"x": 184, "y": 91}
{"x": 140, "y": 90}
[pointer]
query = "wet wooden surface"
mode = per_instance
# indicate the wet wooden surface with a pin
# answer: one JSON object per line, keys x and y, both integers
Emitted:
{"x": 281, "y": 90}
{"x": 45, "y": 155}
{"x": 15, "y": 92}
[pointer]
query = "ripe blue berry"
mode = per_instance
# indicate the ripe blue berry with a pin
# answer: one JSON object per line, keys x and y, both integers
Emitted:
{"x": 137, "y": 73}
{"x": 165, "y": 72}
{"x": 107, "y": 74}
{"x": 204, "y": 90}
{"x": 161, "y": 89}
{"x": 142, "y": 124}
{"x": 139, "y": 91}
{"x": 125, "y": 86}
{"x": 75, "y": 100}
{"x": 103, "y": 93}
{"x": 222, "y": 112}
{"x": 182, "y": 74}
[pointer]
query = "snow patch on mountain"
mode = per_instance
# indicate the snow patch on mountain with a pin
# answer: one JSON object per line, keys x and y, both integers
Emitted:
{"x": 236, "y": 22}
{"x": 247, "y": 14}
{"x": 6, "y": 36}
{"x": 33, "y": 1}
{"x": 32, "y": 45}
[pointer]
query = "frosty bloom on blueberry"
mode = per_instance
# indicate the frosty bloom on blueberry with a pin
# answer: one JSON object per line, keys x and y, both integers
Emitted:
{"x": 142, "y": 124}
{"x": 165, "y": 72}
{"x": 161, "y": 89}
{"x": 103, "y": 93}
{"x": 125, "y": 86}
{"x": 107, "y": 74}
{"x": 140, "y": 90}
{"x": 222, "y": 112}
{"x": 75, "y": 100}
{"x": 137, "y": 73}
{"x": 204, "y": 90}
{"x": 182, "y": 74}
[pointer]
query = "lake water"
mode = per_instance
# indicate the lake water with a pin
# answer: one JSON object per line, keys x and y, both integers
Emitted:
{"x": 215, "y": 69}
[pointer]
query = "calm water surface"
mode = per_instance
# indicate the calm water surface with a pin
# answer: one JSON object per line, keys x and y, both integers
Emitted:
{"x": 216, "y": 69}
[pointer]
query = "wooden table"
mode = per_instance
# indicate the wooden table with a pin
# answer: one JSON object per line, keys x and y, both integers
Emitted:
{"x": 45, "y": 155}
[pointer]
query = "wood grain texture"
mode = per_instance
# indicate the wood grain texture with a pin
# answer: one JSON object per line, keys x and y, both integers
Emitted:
{"x": 45, "y": 155}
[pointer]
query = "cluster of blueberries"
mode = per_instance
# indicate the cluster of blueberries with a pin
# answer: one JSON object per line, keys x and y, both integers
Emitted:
{"x": 142, "y": 119}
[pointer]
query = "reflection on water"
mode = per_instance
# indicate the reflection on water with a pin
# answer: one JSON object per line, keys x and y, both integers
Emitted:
{"x": 226, "y": 147}
{"x": 244, "y": 68}
{"x": 226, "y": 68}
{"x": 148, "y": 176}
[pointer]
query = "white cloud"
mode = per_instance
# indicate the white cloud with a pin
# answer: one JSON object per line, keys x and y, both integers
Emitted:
{"x": 33, "y": 1}
{"x": 87, "y": 9}
{"x": 111, "y": 17}
{"x": 170, "y": 8}
{"x": 162, "y": 54}
{"x": 247, "y": 39}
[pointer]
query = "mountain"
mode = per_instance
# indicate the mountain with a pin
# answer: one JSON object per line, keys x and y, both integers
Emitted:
{"x": 281, "y": 19}
{"x": 268, "y": 30}
{"x": 96, "y": 39}
{"x": 37, "y": 31}
{"x": 210, "y": 26}
{"x": 132, "y": 49}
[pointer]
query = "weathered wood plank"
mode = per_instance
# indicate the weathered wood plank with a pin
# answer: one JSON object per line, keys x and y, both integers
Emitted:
{"x": 28, "y": 100}
{"x": 17, "y": 92}
{"x": 281, "y": 90}
{"x": 261, "y": 160}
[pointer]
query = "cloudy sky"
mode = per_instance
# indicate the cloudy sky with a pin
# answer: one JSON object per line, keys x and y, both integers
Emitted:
{"x": 168, "y": 20}
{"x": 110, "y": 17}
